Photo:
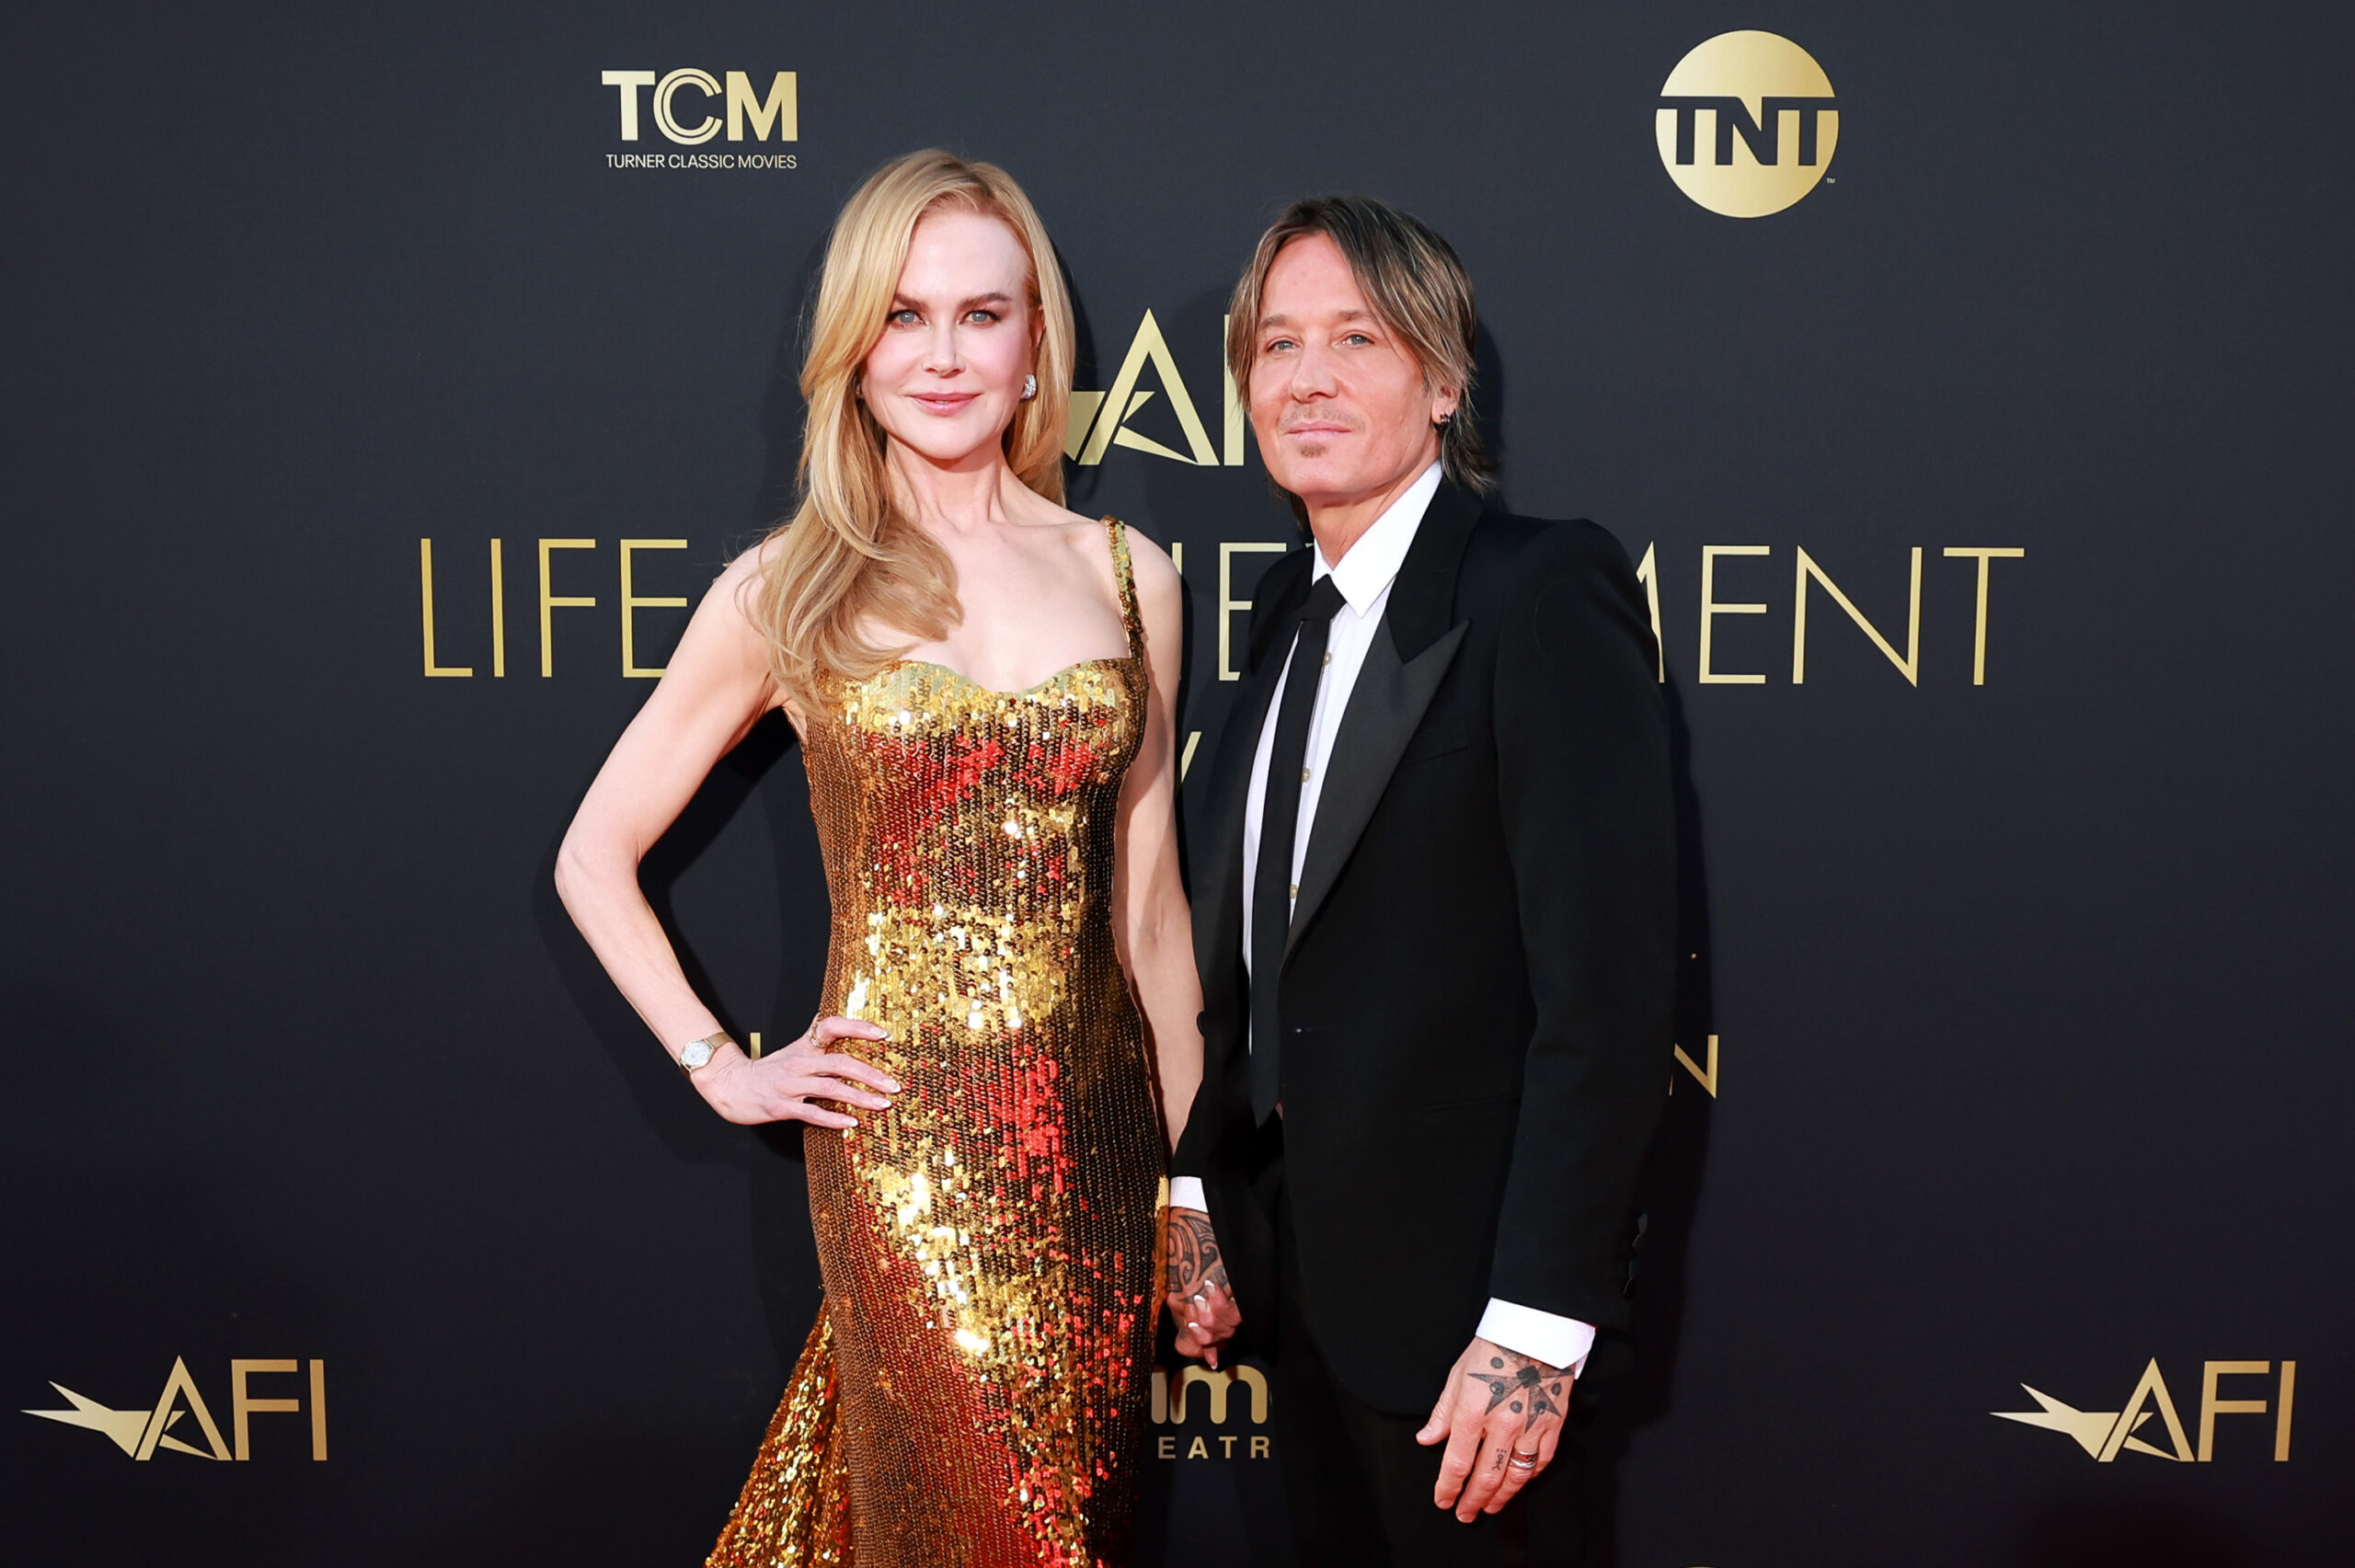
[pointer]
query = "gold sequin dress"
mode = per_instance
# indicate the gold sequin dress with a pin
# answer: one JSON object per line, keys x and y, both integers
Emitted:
{"x": 973, "y": 1390}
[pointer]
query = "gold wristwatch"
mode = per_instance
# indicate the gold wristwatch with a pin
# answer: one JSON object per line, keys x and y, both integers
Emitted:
{"x": 698, "y": 1053}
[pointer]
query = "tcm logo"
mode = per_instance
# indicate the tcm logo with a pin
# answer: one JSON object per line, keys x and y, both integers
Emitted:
{"x": 1722, "y": 113}
{"x": 683, "y": 100}
{"x": 2105, "y": 1434}
{"x": 139, "y": 1432}
{"x": 1100, "y": 420}
{"x": 1217, "y": 1385}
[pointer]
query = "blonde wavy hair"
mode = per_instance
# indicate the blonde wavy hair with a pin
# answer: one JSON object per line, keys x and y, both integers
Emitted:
{"x": 847, "y": 553}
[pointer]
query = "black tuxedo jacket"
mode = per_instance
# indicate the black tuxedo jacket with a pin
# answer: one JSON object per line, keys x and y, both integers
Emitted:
{"x": 1476, "y": 989}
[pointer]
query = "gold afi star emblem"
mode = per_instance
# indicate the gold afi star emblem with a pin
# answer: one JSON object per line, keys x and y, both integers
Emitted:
{"x": 140, "y": 1433}
{"x": 2106, "y": 1434}
{"x": 2103, "y": 1433}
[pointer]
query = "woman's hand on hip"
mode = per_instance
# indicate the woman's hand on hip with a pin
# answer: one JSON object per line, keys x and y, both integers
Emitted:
{"x": 788, "y": 1085}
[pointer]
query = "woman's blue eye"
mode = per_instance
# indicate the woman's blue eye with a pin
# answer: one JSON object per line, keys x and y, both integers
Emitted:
{"x": 898, "y": 316}
{"x": 983, "y": 316}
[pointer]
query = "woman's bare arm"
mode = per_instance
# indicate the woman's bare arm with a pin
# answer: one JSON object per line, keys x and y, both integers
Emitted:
{"x": 1151, "y": 922}
{"x": 716, "y": 688}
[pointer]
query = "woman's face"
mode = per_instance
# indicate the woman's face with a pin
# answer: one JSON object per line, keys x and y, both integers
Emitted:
{"x": 946, "y": 375}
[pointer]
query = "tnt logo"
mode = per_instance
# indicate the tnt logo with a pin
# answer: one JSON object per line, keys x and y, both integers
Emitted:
{"x": 775, "y": 111}
{"x": 1724, "y": 112}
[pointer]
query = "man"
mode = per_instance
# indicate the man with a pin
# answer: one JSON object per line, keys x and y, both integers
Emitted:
{"x": 1435, "y": 920}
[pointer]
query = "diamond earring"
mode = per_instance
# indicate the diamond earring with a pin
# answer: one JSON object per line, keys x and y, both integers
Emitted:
{"x": 1030, "y": 387}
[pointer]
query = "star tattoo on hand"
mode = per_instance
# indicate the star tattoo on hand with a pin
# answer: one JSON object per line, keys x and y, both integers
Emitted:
{"x": 1534, "y": 1388}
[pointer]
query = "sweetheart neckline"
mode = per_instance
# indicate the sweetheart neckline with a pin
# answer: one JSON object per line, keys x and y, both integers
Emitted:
{"x": 959, "y": 676}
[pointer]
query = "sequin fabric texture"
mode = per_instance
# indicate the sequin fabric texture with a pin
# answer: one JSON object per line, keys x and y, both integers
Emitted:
{"x": 972, "y": 1393}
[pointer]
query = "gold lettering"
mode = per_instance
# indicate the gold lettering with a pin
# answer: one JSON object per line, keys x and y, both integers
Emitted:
{"x": 631, "y": 603}
{"x": 1120, "y": 403}
{"x": 1711, "y": 608}
{"x": 242, "y": 1404}
{"x": 1708, "y": 1079}
{"x": 2153, "y": 1386}
{"x": 1226, "y": 1445}
{"x": 1198, "y": 1450}
{"x": 630, "y": 82}
{"x": 1257, "y": 1381}
{"x": 1258, "y": 1448}
{"x": 548, "y": 601}
{"x": 1168, "y": 1447}
{"x": 1186, "y": 760}
{"x": 318, "y": 1410}
{"x": 2212, "y": 1407}
{"x": 2282, "y": 1412}
{"x": 1986, "y": 555}
{"x": 498, "y": 611}
{"x": 1160, "y": 1396}
{"x": 782, "y": 108}
{"x": 1216, "y": 1382}
{"x": 667, "y": 118}
{"x": 1227, "y": 604}
{"x": 1648, "y": 573}
{"x": 425, "y": 598}
{"x": 179, "y": 1385}
{"x": 1908, "y": 666}
{"x": 1178, "y": 555}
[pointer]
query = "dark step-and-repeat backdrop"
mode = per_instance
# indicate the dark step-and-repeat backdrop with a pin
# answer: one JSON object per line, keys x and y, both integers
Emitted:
{"x": 1970, "y": 381}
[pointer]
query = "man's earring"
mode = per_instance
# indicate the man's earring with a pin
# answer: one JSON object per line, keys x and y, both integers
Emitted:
{"x": 1030, "y": 387}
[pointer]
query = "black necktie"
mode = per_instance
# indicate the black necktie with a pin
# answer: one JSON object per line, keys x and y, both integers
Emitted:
{"x": 1271, "y": 890}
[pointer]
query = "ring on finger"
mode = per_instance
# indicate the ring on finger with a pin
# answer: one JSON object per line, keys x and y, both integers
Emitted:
{"x": 1523, "y": 1461}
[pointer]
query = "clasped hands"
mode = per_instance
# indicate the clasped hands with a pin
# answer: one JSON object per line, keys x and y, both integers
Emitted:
{"x": 1501, "y": 1413}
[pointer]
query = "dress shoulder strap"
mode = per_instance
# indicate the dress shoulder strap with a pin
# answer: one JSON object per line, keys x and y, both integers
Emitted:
{"x": 1126, "y": 576}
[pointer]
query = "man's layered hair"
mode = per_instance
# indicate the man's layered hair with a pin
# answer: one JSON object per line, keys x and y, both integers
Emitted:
{"x": 1416, "y": 285}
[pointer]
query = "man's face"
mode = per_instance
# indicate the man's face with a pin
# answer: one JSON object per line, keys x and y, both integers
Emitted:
{"x": 1342, "y": 411}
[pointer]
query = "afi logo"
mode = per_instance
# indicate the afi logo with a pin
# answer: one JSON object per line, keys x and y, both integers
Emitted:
{"x": 1100, "y": 420}
{"x": 778, "y": 110}
{"x": 1720, "y": 123}
{"x": 2105, "y": 1434}
{"x": 140, "y": 1433}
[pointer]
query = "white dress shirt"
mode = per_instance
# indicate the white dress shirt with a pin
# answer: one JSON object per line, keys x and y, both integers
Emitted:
{"x": 1364, "y": 576}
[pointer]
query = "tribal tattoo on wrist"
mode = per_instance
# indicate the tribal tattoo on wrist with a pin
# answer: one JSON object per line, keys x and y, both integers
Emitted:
{"x": 1194, "y": 1260}
{"x": 1532, "y": 1388}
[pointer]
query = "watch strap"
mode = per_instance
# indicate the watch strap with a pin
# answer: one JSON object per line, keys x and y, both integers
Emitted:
{"x": 710, "y": 1044}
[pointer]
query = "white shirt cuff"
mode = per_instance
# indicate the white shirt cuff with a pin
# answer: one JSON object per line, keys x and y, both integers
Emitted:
{"x": 1555, "y": 1341}
{"x": 1186, "y": 1192}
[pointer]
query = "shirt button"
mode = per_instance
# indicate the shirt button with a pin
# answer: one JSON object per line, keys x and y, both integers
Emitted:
{"x": 1328, "y": 659}
{"x": 1295, "y": 889}
{"x": 1304, "y": 775}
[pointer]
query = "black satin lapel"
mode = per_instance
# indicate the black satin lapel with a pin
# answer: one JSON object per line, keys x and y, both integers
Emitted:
{"x": 1218, "y": 865}
{"x": 1385, "y": 707}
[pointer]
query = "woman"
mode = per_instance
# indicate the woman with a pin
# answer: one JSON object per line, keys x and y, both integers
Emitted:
{"x": 985, "y": 687}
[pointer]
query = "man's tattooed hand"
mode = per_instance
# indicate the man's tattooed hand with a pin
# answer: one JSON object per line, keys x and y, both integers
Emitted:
{"x": 1194, "y": 1260}
{"x": 1501, "y": 1415}
{"x": 1532, "y": 1390}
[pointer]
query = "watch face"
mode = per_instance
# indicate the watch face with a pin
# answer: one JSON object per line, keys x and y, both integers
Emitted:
{"x": 697, "y": 1053}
